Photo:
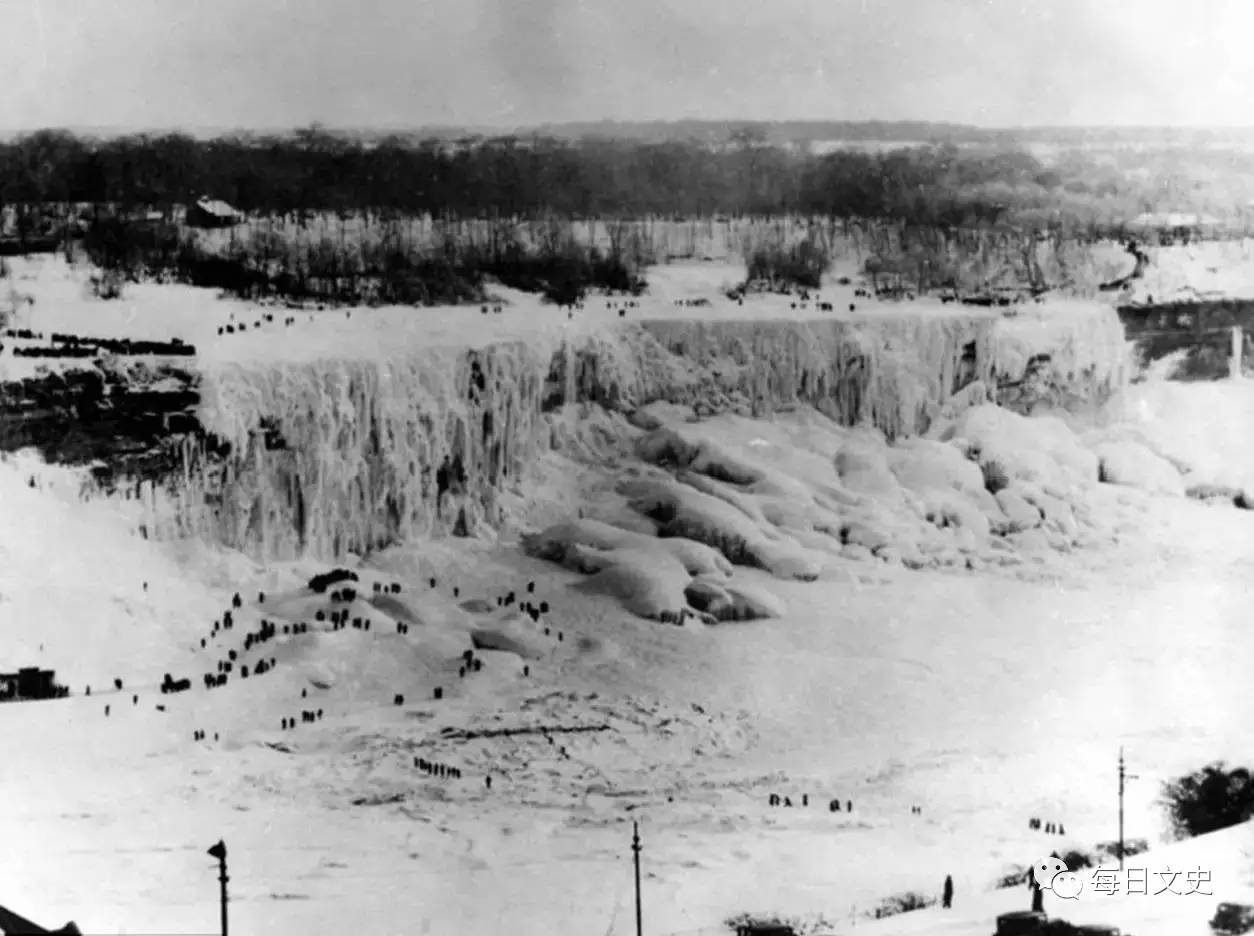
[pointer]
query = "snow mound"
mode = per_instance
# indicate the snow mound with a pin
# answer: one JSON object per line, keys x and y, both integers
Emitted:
{"x": 647, "y": 584}
{"x": 1199, "y": 427}
{"x": 509, "y": 636}
{"x": 1009, "y": 447}
{"x": 650, "y": 576}
{"x": 799, "y": 497}
{"x": 1132, "y": 464}
{"x": 682, "y": 510}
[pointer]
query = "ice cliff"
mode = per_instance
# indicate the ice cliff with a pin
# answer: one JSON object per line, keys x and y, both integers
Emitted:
{"x": 353, "y": 449}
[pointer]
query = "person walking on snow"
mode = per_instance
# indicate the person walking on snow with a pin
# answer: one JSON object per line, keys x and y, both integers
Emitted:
{"x": 947, "y": 895}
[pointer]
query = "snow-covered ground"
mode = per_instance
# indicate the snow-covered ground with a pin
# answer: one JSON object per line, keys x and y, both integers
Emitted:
{"x": 982, "y": 699}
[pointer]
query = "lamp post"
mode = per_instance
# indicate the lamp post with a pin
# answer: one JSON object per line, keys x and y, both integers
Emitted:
{"x": 219, "y": 851}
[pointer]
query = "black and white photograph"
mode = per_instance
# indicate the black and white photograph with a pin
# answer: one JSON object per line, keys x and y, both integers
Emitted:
{"x": 648, "y": 468}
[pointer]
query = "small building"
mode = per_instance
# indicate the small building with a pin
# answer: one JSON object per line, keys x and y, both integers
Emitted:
{"x": 213, "y": 213}
{"x": 30, "y": 682}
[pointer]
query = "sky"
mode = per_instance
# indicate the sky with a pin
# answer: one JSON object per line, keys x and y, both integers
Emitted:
{"x": 270, "y": 64}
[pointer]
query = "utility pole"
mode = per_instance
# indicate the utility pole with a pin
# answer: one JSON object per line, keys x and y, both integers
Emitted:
{"x": 1123, "y": 775}
{"x": 635, "y": 852}
{"x": 219, "y": 851}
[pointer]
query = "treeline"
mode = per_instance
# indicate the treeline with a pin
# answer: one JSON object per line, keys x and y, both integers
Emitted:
{"x": 536, "y": 177}
{"x": 379, "y": 266}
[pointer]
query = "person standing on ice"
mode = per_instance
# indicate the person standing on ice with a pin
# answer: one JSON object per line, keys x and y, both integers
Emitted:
{"x": 947, "y": 895}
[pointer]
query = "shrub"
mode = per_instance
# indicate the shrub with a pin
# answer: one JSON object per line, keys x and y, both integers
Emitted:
{"x": 1076, "y": 859}
{"x": 1130, "y": 847}
{"x": 901, "y": 903}
{"x": 1208, "y": 799}
{"x": 1016, "y": 877}
{"x": 562, "y": 270}
{"x": 107, "y": 284}
{"x": 746, "y": 924}
{"x": 753, "y": 924}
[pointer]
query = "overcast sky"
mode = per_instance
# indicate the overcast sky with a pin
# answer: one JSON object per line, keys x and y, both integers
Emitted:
{"x": 361, "y": 63}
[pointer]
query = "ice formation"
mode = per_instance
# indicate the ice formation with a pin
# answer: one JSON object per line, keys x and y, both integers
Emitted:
{"x": 354, "y": 448}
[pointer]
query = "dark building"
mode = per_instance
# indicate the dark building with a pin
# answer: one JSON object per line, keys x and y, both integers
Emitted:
{"x": 30, "y": 682}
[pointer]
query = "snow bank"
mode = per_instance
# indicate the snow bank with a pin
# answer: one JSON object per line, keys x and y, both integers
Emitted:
{"x": 122, "y": 608}
{"x": 1009, "y": 447}
{"x": 1134, "y": 465}
{"x": 800, "y": 497}
{"x": 649, "y": 576}
{"x": 648, "y": 584}
{"x": 1199, "y": 427}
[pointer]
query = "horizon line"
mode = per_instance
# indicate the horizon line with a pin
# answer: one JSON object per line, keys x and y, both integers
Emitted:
{"x": 506, "y": 129}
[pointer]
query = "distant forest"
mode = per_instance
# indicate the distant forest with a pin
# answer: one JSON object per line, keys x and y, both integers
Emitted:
{"x": 313, "y": 170}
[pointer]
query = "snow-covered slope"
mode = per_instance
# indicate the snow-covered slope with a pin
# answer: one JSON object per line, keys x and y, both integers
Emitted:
{"x": 982, "y": 698}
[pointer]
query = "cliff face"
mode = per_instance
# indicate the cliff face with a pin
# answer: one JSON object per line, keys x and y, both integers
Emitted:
{"x": 353, "y": 453}
{"x": 131, "y": 420}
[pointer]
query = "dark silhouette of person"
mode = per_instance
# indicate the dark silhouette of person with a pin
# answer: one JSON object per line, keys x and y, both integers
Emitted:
{"x": 848, "y": 805}
{"x": 1061, "y": 829}
{"x": 947, "y": 895}
{"x": 1038, "y": 895}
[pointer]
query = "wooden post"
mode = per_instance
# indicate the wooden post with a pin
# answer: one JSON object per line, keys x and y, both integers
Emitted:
{"x": 1123, "y": 776}
{"x": 635, "y": 849}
